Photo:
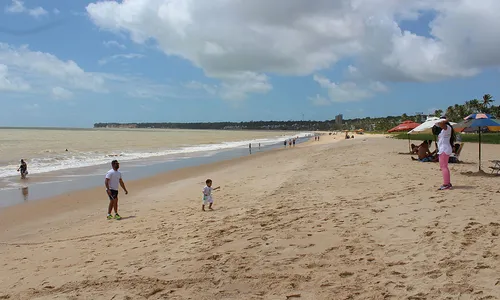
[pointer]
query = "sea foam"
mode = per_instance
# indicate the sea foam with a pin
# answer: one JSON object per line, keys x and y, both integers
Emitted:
{"x": 73, "y": 160}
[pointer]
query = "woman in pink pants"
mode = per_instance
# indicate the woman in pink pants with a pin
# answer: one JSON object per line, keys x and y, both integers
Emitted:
{"x": 445, "y": 150}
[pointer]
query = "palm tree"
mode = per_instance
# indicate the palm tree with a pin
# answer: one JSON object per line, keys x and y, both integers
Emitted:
{"x": 486, "y": 103}
{"x": 487, "y": 100}
{"x": 438, "y": 112}
{"x": 451, "y": 113}
{"x": 495, "y": 111}
{"x": 462, "y": 112}
{"x": 473, "y": 105}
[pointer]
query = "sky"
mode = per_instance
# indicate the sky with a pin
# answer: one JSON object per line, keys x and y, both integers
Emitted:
{"x": 74, "y": 63}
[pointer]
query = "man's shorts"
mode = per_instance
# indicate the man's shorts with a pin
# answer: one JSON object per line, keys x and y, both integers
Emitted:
{"x": 114, "y": 194}
{"x": 426, "y": 159}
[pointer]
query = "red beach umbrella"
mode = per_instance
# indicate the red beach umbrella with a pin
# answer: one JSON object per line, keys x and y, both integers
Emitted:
{"x": 405, "y": 126}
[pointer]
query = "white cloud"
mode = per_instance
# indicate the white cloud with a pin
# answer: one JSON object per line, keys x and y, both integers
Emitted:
{"x": 28, "y": 73}
{"x": 39, "y": 67}
{"x": 236, "y": 86}
{"x": 319, "y": 100}
{"x": 11, "y": 84}
{"x": 60, "y": 93}
{"x": 17, "y": 7}
{"x": 36, "y": 12}
{"x": 110, "y": 44}
{"x": 138, "y": 88}
{"x": 195, "y": 85}
{"x": 119, "y": 56}
{"x": 343, "y": 92}
{"x": 352, "y": 69}
{"x": 295, "y": 37}
{"x": 378, "y": 86}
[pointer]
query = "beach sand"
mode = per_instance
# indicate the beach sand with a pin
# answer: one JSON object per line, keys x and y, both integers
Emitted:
{"x": 345, "y": 220}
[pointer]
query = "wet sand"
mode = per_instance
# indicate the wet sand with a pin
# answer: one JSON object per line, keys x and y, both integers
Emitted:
{"x": 345, "y": 220}
{"x": 45, "y": 185}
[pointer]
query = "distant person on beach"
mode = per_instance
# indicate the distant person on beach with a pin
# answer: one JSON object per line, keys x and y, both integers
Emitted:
{"x": 250, "y": 148}
{"x": 446, "y": 138}
{"x": 293, "y": 142}
{"x": 23, "y": 168}
{"x": 290, "y": 143}
{"x": 284, "y": 143}
{"x": 112, "y": 181}
{"x": 207, "y": 195}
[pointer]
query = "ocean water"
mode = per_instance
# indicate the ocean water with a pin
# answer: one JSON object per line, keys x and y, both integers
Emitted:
{"x": 49, "y": 150}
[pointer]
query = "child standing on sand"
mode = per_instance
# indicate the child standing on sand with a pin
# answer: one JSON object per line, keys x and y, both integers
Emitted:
{"x": 207, "y": 194}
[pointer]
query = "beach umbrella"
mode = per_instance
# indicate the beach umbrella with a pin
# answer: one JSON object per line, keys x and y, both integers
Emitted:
{"x": 405, "y": 126}
{"x": 478, "y": 122}
{"x": 426, "y": 127}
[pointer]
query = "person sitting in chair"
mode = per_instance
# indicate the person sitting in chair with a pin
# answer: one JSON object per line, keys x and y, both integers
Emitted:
{"x": 453, "y": 157}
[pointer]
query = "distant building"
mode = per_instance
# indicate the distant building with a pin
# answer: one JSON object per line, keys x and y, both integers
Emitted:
{"x": 338, "y": 119}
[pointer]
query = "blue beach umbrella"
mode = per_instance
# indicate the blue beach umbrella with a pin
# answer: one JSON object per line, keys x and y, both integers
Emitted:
{"x": 478, "y": 122}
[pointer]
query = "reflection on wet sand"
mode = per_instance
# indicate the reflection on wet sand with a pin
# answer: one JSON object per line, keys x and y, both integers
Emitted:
{"x": 25, "y": 192}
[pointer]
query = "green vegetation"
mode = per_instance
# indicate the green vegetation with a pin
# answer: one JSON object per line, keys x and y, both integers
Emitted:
{"x": 486, "y": 138}
{"x": 454, "y": 113}
{"x": 457, "y": 112}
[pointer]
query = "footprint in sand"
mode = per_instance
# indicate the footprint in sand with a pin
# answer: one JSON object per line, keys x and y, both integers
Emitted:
{"x": 346, "y": 274}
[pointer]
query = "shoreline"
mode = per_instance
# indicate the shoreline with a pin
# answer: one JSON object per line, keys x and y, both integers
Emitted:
{"x": 38, "y": 186}
{"x": 128, "y": 145}
{"x": 53, "y": 204}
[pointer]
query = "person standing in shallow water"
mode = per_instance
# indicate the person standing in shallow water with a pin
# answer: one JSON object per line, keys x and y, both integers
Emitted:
{"x": 23, "y": 169}
{"x": 112, "y": 181}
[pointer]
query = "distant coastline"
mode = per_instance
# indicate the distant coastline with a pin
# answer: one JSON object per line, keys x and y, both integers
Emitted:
{"x": 367, "y": 124}
{"x": 254, "y": 125}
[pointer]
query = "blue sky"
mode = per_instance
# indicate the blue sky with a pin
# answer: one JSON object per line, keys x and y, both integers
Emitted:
{"x": 119, "y": 62}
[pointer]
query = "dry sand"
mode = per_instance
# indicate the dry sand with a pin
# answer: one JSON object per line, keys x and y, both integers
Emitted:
{"x": 346, "y": 220}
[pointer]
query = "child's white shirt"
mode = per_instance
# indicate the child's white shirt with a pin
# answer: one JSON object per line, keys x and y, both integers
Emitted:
{"x": 207, "y": 193}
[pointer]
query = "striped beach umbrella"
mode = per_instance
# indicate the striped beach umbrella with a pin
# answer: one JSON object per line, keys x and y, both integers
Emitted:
{"x": 478, "y": 122}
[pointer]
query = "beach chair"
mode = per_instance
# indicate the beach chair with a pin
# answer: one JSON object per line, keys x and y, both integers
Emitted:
{"x": 456, "y": 156}
{"x": 496, "y": 167}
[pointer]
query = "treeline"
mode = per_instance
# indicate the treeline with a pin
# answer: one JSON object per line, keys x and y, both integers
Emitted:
{"x": 368, "y": 124}
{"x": 454, "y": 113}
{"x": 252, "y": 125}
{"x": 457, "y": 112}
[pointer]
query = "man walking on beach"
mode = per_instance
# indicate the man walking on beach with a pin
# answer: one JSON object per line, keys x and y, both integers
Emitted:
{"x": 112, "y": 181}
